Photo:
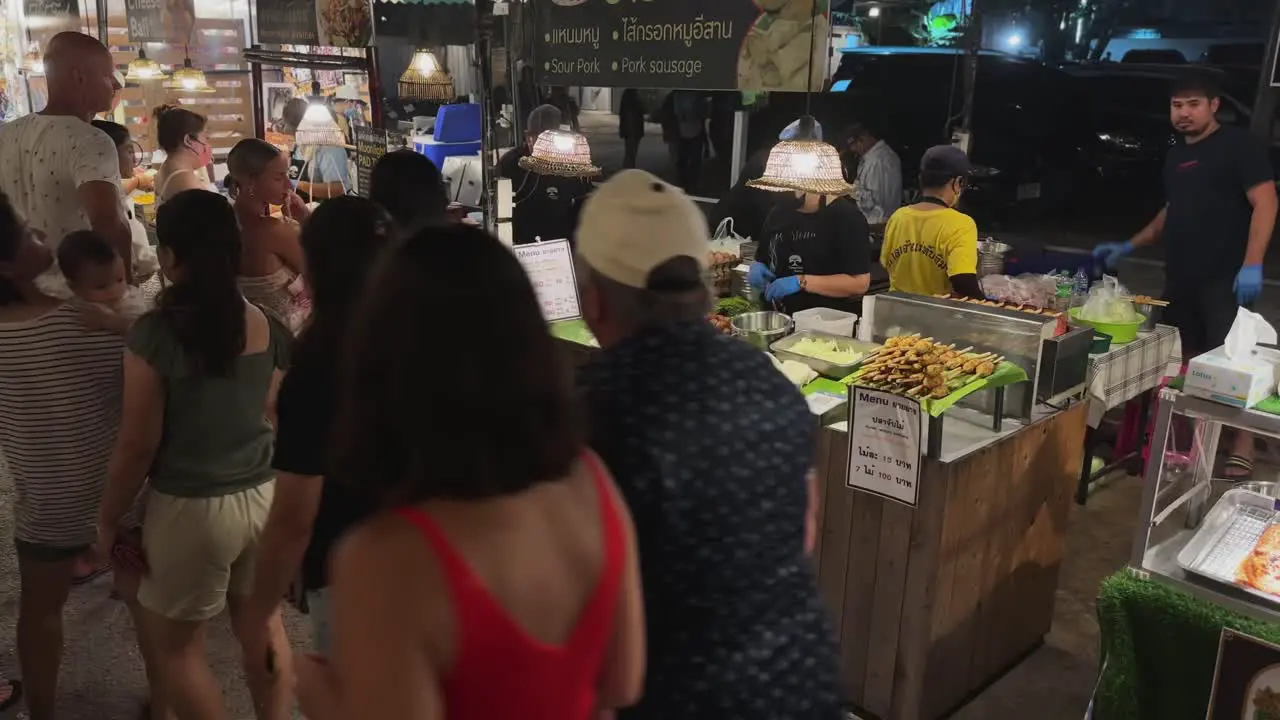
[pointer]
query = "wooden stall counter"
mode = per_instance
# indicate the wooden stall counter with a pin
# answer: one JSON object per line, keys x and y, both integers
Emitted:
{"x": 933, "y": 603}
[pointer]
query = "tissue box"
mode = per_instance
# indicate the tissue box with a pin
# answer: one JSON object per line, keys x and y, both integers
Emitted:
{"x": 1242, "y": 383}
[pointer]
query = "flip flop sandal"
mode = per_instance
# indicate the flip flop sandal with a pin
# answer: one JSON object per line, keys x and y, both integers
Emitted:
{"x": 1236, "y": 462}
{"x": 15, "y": 694}
{"x": 90, "y": 576}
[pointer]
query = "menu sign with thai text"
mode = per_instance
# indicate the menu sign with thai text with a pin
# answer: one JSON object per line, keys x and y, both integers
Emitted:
{"x": 687, "y": 44}
{"x": 288, "y": 22}
{"x": 885, "y": 433}
{"x": 52, "y": 14}
{"x": 550, "y": 268}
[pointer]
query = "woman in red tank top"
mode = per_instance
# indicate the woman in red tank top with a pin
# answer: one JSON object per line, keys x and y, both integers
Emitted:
{"x": 501, "y": 579}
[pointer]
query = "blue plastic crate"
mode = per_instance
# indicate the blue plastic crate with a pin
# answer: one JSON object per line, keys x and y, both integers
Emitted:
{"x": 459, "y": 123}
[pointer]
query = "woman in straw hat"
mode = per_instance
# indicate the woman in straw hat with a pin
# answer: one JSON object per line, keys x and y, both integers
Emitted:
{"x": 814, "y": 246}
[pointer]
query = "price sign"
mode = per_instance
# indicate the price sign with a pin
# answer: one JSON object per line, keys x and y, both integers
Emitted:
{"x": 1246, "y": 680}
{"x": 884, "y": 445}
{"x": 550, "y": 268}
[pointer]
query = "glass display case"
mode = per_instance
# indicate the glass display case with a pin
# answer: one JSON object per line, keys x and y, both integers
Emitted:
{"x": 1208, "y": 537}
{"x": 1023, "y": 338}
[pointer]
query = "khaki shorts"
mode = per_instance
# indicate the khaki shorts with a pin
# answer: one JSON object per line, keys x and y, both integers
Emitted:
{"x": 199, "y": 550}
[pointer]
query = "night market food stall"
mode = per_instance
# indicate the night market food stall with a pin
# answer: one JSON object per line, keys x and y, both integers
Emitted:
{"x": 946, "y": 480}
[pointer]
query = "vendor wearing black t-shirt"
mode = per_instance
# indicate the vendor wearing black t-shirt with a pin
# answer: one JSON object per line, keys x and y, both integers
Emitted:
{"x": 1216, "y": 225}
{"x": 543, "y": 118}
{"x": 814, "y": 251}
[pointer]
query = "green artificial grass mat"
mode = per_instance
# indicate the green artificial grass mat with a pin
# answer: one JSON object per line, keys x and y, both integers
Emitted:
{"x": 1160, "y": 647}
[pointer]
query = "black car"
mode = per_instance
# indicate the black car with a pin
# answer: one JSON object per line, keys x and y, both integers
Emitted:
{"x": 1119, "y": 115}
{"x": 916, "y": 97}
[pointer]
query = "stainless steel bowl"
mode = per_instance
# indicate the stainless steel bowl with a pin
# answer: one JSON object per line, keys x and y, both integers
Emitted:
{"x": 762, "y": 329}
{"x": 1269, "y": 489}
{"x": 991, "y": 257}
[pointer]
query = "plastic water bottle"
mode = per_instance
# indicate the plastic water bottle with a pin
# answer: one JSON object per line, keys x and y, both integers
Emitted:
{"x": 1062, "y": 301}
{"x": 1080, "y": 287}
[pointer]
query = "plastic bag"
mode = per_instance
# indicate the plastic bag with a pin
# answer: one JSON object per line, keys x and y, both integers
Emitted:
{"x": 1108, "y": 302}
{"x": 1026, "y": 289}
{"x": 725, "y": 239}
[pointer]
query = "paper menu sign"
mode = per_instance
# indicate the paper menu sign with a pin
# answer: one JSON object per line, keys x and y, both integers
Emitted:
{"x": 885, "y": 436}
{"x": 550, "y": 268}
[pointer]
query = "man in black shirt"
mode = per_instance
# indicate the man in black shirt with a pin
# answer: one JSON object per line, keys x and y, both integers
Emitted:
{"x": 1217, "y": 222}
{"x": 710, "y": 446}
{"x": 815, "y": 251}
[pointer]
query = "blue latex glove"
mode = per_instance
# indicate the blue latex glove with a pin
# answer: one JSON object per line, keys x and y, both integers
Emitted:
{"x": 1248, "y": 284}
{"x": 779, "y": 289}
{"x": 1111, "y": 252}
{"x": 759, "y": 276}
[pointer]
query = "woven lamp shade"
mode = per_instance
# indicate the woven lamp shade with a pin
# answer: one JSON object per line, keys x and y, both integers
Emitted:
{"x": 189, "y": 79}
{"x": 318, "y": 128}
{"x": 561, "y": 153}
{"x": 33, "y": 63}
{"x": 807, "y": 166}
{"x": 424, "y": 79}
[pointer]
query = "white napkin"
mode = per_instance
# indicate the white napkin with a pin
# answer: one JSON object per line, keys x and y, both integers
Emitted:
{"x": 1247, "y": 331}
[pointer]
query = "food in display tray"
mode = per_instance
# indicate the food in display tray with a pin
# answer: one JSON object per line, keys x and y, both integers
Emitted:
{"x": 832, "y": 356}
{"x": 920, "y": 367}
{"x": 1238, "y": 544}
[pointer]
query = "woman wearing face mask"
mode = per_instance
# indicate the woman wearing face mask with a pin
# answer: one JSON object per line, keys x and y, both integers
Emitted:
{"x": 930, "y": 248}
{"x": 271, "y": 260}
{"x": 180, "y": 133}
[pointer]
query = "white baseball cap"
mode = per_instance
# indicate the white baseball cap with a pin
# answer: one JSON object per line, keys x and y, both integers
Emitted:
{"x": 634, "y": 223}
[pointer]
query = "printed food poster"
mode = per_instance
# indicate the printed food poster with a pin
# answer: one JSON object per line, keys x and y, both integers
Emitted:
{"x": 688, "y": 44}
{"x": 1246, "y": 680}
{"x": 327, "y": 23}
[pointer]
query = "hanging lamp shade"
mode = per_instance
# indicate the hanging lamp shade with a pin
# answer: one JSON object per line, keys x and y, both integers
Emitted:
{"x": 561, "y": 153}
{"x": 424, "y": 79}
{"x": 318, "y": 127}
{"x": 143, "y": 68}
{"x": 803, "y": 163}
{"x": 189, "y": 79}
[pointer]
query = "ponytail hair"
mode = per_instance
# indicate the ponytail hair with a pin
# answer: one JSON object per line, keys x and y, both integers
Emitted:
{"x": 204, "y": 308}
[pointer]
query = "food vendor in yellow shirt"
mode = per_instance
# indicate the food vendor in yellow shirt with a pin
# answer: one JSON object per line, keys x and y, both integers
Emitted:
{"x": 930, "y": 248}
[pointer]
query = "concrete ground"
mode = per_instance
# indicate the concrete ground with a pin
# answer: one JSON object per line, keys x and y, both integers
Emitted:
{"x": 102, "y": 673}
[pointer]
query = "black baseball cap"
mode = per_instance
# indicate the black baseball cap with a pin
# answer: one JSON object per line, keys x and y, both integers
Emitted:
{"x": 945, "y": 161}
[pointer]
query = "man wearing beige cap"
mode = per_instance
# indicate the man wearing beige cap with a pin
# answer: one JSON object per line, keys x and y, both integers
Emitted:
{"x": 711, "y": 446}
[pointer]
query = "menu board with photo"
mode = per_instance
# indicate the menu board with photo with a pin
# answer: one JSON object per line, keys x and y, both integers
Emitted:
{"x": 687, "y": 44}
{"x": 327, "y": 23}
{"x": 550, "y": 268}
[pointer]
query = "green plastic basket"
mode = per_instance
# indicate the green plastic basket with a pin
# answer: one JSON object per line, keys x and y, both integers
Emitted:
{"x": 1120, "y": 333}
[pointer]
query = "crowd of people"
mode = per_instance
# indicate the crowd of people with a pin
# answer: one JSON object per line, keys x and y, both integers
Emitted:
{"x": 473, "y": 539}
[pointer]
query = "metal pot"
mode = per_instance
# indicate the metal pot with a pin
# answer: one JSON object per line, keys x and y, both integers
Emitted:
{"x": 1269, "y": 489}
{"x": 991, "y": 257}
{"x": 762, "y": 329}
{"x": 1152, "y": 313}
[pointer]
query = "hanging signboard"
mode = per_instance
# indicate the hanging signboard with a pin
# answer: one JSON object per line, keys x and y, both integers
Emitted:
{"x": 689, "y": 44}
{"x": 52, "y": 15}
{"x": 371, "y": 144}
{"x": 550, "y": 269}
{"x": 326, "y": 23}
{"x": 884, "y": 444}
{"x": 1246, "y": 680}
{"x": 167, "y": 21}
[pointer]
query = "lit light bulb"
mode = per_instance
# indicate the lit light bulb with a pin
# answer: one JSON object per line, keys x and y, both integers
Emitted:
{"x": 563, "y": 143}
{"x": 37, "y": 67}
{"x": 189, "y": 83}
{"x": 424, "y": 62}
{"x": 874, "y": 12}
{"x": 805, "y": 162}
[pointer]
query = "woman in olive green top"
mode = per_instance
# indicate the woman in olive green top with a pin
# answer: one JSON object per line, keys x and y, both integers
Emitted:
{"x": 197, "y": 379}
